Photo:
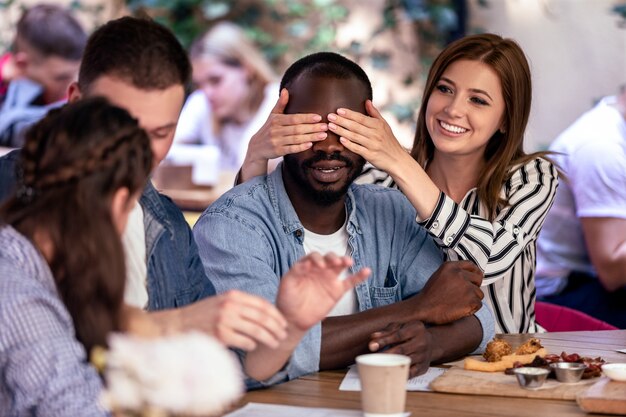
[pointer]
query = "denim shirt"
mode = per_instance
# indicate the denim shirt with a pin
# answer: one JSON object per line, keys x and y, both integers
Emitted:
{"x": 251, "y": 236}
{"x": 175, "y": 273}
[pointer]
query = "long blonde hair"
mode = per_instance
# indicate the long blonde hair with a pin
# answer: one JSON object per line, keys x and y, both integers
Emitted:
{"x": 505, "y": 149}
{"x": 229, "y": 44}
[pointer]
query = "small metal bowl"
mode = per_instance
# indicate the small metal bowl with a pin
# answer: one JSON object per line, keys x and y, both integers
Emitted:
{"x": 568, "y": 372}
{"x": 531, "y": 378}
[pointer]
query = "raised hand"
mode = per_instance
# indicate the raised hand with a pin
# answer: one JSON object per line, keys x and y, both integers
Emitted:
{"x": 451, "y": 293}
{"x": 281, "y": 134}
{"x": 368, "y": 136}
{"x": 237, "y": 319}
{"x": 411, "y": 339}
{"x": 311, "y": 288}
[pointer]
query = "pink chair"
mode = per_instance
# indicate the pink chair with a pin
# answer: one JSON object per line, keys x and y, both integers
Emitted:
{"x": 555, "y": 318}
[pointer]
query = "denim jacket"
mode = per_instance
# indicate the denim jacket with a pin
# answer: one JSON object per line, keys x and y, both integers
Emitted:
{"x": 251, "y": 236}
{"x": 175, "y": 273}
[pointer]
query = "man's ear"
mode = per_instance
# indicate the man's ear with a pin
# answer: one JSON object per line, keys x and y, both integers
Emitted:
{"x": 73, "y": 92}
{"x": 21, "y": 61}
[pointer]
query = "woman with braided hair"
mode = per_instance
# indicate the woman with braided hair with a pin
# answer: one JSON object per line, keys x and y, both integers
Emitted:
{"x": 62, "y": 268}
{"x": 62, "y": 272}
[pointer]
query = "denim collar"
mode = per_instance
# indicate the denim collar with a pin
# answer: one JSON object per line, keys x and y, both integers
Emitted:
{"x": 155, "y": 220}
{"x": 287, "y": 214}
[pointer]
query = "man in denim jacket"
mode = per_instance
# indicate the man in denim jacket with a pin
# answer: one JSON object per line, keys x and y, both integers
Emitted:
{"x": 411, "y": 304}
{"x": 139, "y": 65}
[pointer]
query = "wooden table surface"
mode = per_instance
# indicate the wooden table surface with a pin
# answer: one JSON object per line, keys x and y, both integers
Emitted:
{"x": 175, "y": 182}
{"x": 322, "y": 389}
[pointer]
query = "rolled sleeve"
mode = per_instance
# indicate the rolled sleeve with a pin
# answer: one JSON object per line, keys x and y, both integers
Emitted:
{"x": 487, "y": 322}
{"x": 448, "y": 222}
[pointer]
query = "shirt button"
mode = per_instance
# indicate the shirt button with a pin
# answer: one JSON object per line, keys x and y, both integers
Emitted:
{"x": 298, "y": 233}
{"x": 515, "y": 231}
{"x": 435, "y": 224}
{"x": 449, "y": 239}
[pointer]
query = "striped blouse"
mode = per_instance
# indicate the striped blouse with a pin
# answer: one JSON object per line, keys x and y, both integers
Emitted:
{"x": 504, "y": 248}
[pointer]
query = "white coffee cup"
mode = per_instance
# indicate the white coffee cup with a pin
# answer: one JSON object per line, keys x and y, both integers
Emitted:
{"x": 383, "y": 383}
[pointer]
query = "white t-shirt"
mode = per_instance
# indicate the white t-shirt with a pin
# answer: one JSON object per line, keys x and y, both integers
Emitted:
{"x": 336, "y": 243}
{"x": 134, "y": 242}
{"x": 593, "y": 158}
{"x": 195, "y": 127}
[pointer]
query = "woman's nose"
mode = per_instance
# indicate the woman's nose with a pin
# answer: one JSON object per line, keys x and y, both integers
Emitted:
{"x": 455, "y": 108}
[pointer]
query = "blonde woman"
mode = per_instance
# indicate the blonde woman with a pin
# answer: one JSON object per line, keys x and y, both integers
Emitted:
{"x": 235, "y": 94}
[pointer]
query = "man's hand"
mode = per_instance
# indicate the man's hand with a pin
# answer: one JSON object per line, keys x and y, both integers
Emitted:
{"x": 451, "y": 293}
{"x": 307, "y": 293}
{"x": 411, "y": 339}
{"x": 235, "y": 318}
{"x": 281, "y": 134}
{"x": 311, "y": 288}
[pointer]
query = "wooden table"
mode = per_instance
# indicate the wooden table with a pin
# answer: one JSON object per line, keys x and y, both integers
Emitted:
{"x": 175, "y": 182}
{"x": 322, "y": 389}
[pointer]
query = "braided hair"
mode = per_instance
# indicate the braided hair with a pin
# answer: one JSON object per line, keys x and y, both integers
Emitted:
{"x": 72, "y": 163}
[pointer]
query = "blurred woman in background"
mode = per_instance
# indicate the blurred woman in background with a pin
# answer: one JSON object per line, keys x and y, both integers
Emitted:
{"x": 236, "y": 92}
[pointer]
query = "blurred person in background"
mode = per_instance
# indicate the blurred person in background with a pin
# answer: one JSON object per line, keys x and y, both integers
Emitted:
{"x": 47, "y": 50}
{"x": 236, "y": 92}
{"x": 581, "y": 252}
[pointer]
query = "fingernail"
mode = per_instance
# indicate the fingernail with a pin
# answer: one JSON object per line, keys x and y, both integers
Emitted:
{"x": 317, "y": 118}
{"x": 322, "y": 135}
{"x": 341, "y": 111}
{"x": 308, "y": 144}
{"x": 332, "y": 116}
{"x": 332, "y": 126}
{"x": 324, "y": 126}
{"x": 374, "y": 347}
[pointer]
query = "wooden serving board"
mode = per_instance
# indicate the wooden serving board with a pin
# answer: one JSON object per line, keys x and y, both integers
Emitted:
{"x": 461, "y": 381}
{"x": 605, "y": 396}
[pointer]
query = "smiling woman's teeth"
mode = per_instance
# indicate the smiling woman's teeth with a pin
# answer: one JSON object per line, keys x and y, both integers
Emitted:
{"x": 327, "y": 169}
{"x": 452, "y": 128}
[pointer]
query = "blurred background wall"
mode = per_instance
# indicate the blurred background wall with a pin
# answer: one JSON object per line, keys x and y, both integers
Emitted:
{"x": 577, "y": 52}
{"x": 577, "y": 48}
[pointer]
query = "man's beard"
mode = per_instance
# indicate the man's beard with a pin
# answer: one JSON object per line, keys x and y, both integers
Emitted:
{"x": 322, "y": 197}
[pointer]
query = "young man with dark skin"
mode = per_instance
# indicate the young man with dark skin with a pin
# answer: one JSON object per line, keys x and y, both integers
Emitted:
{"x": 411, "y": 304}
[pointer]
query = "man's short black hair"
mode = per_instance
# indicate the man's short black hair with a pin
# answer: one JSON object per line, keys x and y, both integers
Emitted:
{"x": 51, "y": 30}
{"x": 138, "y": 51}
{"x": 326, "y": 64}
